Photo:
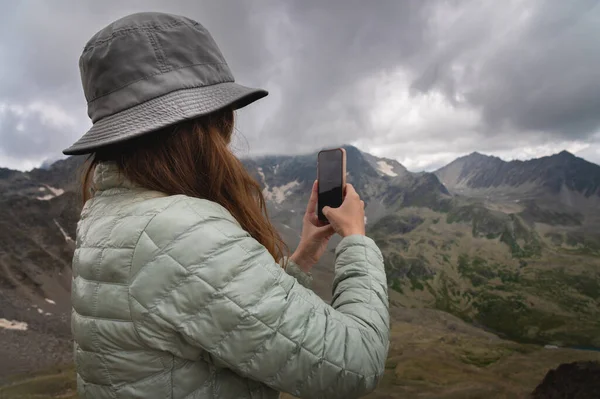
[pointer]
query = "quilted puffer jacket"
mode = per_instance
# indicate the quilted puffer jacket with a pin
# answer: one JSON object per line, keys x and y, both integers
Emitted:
{"x": 173, "y": 299}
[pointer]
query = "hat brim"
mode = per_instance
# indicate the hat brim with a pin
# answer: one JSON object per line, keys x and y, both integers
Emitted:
{"x": 163, "y": 111}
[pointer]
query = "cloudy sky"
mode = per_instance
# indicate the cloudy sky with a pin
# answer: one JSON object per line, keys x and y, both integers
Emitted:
{"x": 419, "y": 81}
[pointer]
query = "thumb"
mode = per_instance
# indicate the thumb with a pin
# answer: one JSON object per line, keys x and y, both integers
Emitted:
{"x": 326, "y": 210}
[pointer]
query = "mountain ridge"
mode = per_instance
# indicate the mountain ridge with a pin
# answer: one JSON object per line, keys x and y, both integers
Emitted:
{"x": 546, "y": 175}
{"x": 47, "y": 164}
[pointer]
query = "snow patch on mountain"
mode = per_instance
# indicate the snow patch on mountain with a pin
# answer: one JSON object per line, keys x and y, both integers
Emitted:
{"x": 280, "y": 193}
{"x": 386, "y": 168}
{"x": 262, "y": 176}
{"x": 13, "y": 325}
{"x": 54, "y": 192}
{"x": 64, "y": 233}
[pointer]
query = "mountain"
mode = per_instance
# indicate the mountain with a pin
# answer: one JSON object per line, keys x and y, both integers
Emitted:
{"x": 384, "y": 184}
{"x": 505, "y": 264}
{"x": 517, "y": 251}
{"x": 479, "y": 279}
{"x": 571, "y": 380}
{"x": 562, "y": 176}
{"x": 38, "y": 214}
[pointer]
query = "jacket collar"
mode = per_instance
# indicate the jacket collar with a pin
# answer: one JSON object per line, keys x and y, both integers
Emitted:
{"x": 107, "y": 176}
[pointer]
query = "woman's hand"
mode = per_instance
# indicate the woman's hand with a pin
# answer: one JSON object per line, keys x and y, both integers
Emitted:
{"x": 348, "y": 219}
{"x": 315, "y": 235}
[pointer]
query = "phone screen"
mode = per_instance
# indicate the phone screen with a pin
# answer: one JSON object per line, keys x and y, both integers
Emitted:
{"x": 330, "y": 176}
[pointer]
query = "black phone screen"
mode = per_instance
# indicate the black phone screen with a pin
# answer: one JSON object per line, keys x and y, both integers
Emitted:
{"x": 330, "y": 176}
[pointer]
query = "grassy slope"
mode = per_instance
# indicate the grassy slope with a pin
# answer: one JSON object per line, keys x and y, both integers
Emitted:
{"x": 46, "y": 384}
{"x": 516, "y": 282}
{"x": 436, "y": 355}
{"x": 449, "y": 365}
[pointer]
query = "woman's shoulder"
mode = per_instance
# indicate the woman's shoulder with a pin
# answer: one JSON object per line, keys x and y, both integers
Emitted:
{"x": 162, "y": 217}
{"x": 187, "y": 228}
{"x": 177, "y": 213}
{"x": 196, "y": 208}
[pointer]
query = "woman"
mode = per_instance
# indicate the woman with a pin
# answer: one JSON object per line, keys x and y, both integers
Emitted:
{"x": 181, "y": 287}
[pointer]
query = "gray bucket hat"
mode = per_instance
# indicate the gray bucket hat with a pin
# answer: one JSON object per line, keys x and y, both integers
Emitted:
{"x": 150, "y": 70}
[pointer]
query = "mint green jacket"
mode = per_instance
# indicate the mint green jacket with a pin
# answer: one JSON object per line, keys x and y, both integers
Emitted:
{"x": 173, "y": 299}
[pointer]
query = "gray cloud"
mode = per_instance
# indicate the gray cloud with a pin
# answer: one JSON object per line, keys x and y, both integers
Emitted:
{"x": 422, "y": 81}
{"x": 541, "y": 71}
{"x": 334, "y": 45}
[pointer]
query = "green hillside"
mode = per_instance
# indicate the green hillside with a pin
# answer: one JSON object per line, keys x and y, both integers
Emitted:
{"x": 495, "y": 270}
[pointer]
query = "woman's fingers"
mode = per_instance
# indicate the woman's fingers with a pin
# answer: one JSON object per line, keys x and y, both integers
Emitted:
{"x": 350, "y": 191}
{"x": 324, "y": 231}
{"x": 312, "y": 202}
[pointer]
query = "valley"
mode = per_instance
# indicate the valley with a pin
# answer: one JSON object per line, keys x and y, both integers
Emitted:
{"x": 487, "y": 261}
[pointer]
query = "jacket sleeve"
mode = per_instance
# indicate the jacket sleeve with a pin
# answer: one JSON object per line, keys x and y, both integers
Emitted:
{"x": 294, "y": 270}
{"x": 223, "y": 293}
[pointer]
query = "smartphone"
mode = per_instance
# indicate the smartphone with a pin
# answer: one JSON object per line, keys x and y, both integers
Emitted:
{"x": 331, "y": 176}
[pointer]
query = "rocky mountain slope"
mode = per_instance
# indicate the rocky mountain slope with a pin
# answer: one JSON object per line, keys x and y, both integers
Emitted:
{"x": 38, "y": 214}
{"x": 572, "y": 380}
{"x": 506, "y": 254}
{"x": 513, "y": 253}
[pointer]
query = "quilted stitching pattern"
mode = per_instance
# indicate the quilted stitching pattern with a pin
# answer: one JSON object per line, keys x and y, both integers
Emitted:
{"x": 172, "y": 299}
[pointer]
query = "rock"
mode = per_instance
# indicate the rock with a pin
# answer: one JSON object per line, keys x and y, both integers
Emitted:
{"x": 578, "y": 380}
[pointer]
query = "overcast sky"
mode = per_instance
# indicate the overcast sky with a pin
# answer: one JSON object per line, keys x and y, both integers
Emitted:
{"x": 419, "y": 81}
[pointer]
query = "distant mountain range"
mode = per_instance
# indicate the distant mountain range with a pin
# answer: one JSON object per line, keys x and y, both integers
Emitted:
{"x": 510, "y": 246}
{"x": 558, "y": 176}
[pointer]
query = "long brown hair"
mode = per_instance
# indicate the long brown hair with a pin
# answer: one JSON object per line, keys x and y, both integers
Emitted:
{"x": 193, "y": 158}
